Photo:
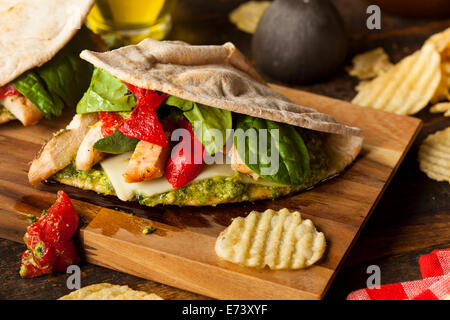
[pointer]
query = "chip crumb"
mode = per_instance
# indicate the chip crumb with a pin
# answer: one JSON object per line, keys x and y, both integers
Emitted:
{"x": 277, "y": 239}
{"x": 107, "y": 291}
{"x": 59, "y": 132}
{"x": 148, "y": 229}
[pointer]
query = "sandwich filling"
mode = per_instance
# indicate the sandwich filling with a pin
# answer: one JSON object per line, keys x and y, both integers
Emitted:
{"x": 126, "y": 141}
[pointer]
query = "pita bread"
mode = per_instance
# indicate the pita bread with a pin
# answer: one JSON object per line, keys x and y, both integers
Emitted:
{"x": 217, "y": 76}
{"x": 32, "y": 32}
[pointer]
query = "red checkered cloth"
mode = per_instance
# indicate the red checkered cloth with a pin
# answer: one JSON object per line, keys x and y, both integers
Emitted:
{"x": 435, "y": 269}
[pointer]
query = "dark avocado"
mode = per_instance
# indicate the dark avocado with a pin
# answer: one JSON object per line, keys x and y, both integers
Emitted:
{"x": 300, "y": 41}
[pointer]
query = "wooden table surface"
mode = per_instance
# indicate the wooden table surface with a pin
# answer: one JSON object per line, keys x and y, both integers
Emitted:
{"x": 412, "y": 218}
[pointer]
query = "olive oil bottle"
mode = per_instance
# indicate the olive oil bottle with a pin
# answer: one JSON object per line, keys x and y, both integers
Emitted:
{"x": 123, "y": 22}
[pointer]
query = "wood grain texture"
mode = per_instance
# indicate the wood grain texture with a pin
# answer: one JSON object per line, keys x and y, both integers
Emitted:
{"x": 181, "y": 252}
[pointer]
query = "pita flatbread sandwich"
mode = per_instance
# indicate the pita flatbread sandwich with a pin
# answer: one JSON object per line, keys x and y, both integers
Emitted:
{"x": 40, "y": 68}
{"x": 175, "y": 124}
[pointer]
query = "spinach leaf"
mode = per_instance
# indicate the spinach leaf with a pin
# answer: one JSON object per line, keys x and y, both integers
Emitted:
{"x": 61, "y": 81}
{"x": 116, "y": 143}
{"x": 33, "y": 88}
{"x": 293, "y": 165}
{"x": 66, "y": 76}
{"x": 209, "y": 124}
{"x": 106, "y": 93}
{"x": 183, "y": 105}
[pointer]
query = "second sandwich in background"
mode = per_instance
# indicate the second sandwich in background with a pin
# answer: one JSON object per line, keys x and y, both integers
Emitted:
{"x": 40, "y": 68}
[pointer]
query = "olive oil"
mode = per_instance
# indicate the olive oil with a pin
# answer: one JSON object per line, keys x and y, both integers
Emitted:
{"x": 123, "y": 22}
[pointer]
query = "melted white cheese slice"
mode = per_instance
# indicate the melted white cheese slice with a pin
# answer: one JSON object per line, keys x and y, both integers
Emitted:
{"x": 115, "y": 167}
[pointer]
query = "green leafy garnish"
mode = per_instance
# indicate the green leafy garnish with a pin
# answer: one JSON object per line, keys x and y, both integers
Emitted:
{"x": 205, "y": 120}
{"x": 116, "y": 143}
{"x": 106, "y": 93}
{"x": 66, "y": 77}
{"x": 31, "y": 218}
{"x": 183, "y": 105}
{"x": 293, "y": 158}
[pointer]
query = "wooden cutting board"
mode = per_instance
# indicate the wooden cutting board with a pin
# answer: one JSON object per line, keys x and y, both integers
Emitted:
{"x": 181, "y": 252}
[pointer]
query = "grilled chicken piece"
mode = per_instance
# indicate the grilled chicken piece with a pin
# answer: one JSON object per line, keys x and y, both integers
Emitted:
{"x": 147, "y": 162}
{"x": 61, "y": 149}
{"x": 87, "y": 156}
{"x": 23, "y": 109}
{"x": 239, "y": 165}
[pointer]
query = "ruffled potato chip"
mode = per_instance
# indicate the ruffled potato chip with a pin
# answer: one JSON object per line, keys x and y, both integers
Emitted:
{"x": 406, "y": 88}
{"x": 434, "y": 155}
{"x": 411, "y": 84}
{"x": 441, "y": 40}
{"x": 443, "y": 90}
{"x": 107, "y": 291}
{"x": 280, "y": 240}
{"x": 361, "y": 85}
{"x": 246, "y": 17}
{"x": 370, "y": 64}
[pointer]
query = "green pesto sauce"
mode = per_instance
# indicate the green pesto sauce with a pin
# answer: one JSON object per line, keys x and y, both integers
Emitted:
{"x": 210, "y": 191}
{"x": 94, "y": 179}
{"x": 4, "y": 111}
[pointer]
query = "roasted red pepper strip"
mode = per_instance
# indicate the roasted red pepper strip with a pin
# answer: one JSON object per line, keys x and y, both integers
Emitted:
{"x": 151, "y": 100}
{"x": 61, "y": 220}
{"x": 181, "y": 168}
{"x": 138, "y": 92}
{"x": 48, "y": 240}
{"x": 143, "y": 123}
{"x": 110, "y": 120}
{"x": 8, "y": 90}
